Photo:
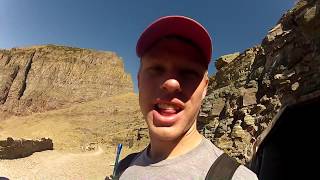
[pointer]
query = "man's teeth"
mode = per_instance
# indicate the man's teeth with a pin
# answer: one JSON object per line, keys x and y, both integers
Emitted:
{"x": 168, "y": 106}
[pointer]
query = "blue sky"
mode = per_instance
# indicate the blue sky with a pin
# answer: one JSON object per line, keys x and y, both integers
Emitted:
{"x": 115, "y": 25}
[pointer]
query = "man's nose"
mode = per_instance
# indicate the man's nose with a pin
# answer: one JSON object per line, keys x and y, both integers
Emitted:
{"x": 171, "y": 85}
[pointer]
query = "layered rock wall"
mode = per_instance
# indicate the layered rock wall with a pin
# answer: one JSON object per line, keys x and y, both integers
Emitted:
{"x": 246, "y": 93}
{"x": 42, "y": 78}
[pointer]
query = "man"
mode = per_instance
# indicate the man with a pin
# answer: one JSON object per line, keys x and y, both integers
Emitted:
{"x": 174, "y": 52}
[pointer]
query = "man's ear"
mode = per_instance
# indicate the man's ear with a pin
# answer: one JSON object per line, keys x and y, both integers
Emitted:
{"x": 138, "y": 78}
{"x": 206, "y": 86}
{"x": 138, "y": 74}
{"x": 204, "y": 92}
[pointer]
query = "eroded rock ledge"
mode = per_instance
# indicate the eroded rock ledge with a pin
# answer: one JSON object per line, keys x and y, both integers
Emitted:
{"x": 19, "y": 148}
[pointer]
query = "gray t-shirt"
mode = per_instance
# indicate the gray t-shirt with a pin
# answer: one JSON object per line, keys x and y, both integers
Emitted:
{"x": 193, "y": 165}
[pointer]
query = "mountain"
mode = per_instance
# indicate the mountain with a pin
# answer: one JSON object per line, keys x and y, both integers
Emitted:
{"x": 80, "y": 98}
{"x": 42, "y": 78}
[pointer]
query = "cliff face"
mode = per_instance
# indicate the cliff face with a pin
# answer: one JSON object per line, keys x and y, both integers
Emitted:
{"x": 42, "y": 78}
{"x": 249, "y": 88}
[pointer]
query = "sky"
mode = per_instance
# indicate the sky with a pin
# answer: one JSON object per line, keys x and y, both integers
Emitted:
{"x": 115, "y": 25}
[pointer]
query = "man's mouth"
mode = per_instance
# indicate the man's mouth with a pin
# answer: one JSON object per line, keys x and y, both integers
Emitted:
{"x": 167, "y": 109}
{"x": 166, "y": 113}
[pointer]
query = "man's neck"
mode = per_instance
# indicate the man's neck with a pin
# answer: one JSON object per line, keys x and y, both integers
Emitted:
{"x": 160, "y": 150}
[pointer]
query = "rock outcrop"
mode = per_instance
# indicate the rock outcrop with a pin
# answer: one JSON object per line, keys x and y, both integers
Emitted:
{"x": 41, "y": 78}
{"x": 19, "y": 148}
{"x": 225, "y": 60}
{"x": 246, "y": 93}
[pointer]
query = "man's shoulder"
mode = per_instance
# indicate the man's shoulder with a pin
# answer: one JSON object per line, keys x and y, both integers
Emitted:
{"x": 126, "y": 162}
{"x": 210, "y": 148}
{"x": 241, "y": 172}
{"x": 244, "y": 173}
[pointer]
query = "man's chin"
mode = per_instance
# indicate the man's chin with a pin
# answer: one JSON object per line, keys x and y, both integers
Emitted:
{"x": 164, "y": 133}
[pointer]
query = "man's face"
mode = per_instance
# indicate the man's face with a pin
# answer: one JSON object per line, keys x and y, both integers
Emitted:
{"x": 172, "y": 84}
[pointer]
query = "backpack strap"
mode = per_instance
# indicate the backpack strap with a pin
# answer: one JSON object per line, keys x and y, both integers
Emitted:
{"x": 124, "y": 164}
{"x": 223, "y": 168}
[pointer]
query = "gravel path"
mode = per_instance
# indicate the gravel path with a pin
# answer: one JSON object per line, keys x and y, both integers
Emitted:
{"x": 59, "y": 165}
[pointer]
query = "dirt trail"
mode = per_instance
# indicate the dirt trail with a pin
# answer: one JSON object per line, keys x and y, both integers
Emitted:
{"x": 59, "y": 165}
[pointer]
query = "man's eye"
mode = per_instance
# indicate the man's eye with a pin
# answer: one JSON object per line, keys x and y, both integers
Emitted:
{"x": 190, "y": 74}
{"x": 155, "y": 70}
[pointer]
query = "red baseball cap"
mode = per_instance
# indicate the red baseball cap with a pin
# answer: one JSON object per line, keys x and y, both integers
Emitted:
{"x": 180, "y": 26}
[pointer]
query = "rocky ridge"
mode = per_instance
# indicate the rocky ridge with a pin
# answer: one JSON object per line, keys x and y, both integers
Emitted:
{"x": 42, "y": 78}
{"x": 248, "y": 89}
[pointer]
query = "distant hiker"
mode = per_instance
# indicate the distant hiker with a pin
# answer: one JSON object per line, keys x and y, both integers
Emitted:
{"x": 175, "y": 52}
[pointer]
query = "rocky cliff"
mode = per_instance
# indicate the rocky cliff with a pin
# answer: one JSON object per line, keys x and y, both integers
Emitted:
{"x": 41, "y": 78}
{"x": 249, "y": 88}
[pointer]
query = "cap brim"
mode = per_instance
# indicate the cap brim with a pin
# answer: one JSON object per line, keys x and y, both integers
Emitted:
{"x": 176, "y": 26}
